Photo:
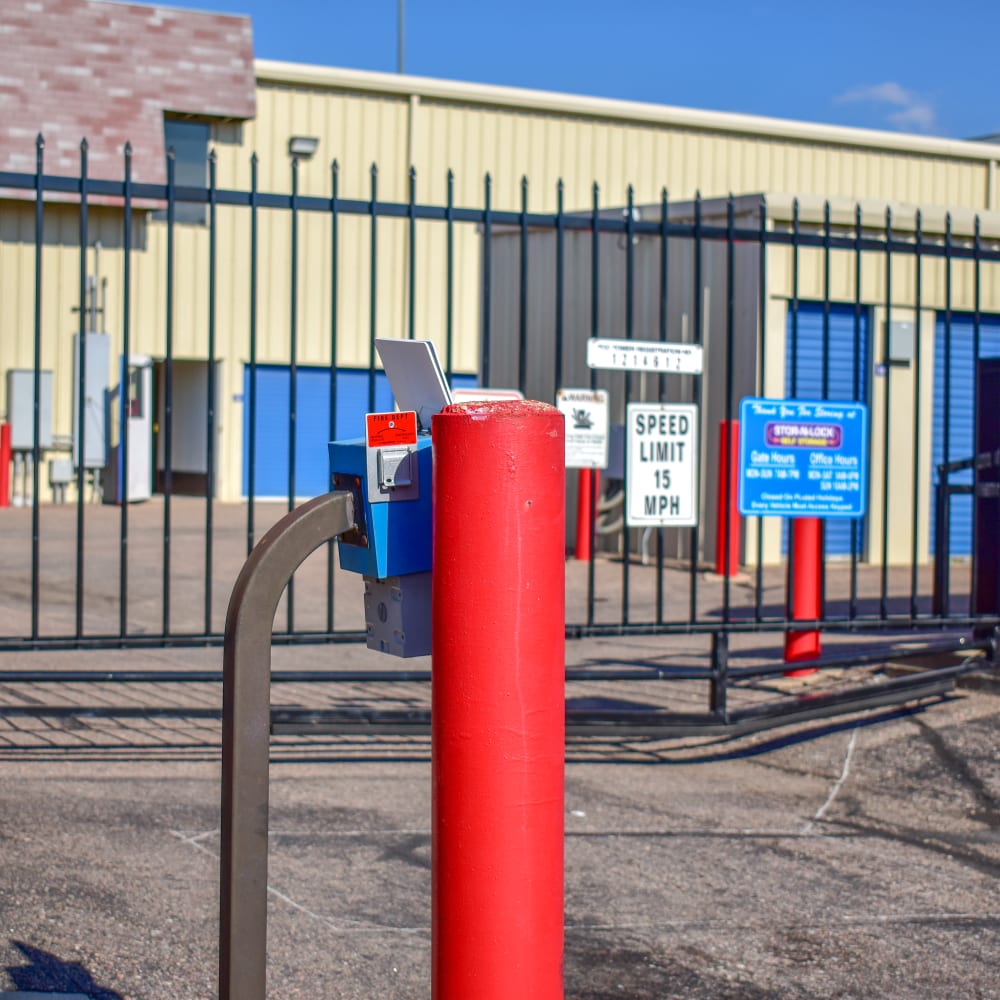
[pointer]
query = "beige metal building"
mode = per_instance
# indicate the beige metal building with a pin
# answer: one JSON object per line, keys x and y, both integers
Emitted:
{"x": 360, "y": 119}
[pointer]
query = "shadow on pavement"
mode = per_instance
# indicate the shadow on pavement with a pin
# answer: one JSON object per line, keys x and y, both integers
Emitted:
{"x": 48, "y": 973}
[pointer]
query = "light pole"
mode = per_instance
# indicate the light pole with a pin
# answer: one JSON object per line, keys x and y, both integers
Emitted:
{"x": 401, "y": 47}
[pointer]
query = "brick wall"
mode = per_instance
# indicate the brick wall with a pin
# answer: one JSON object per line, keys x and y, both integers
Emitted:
{"x": 107, "y": 71}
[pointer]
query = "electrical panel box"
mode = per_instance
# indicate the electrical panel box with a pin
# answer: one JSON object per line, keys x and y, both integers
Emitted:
{"x": 97, "y": 364}
{"x": 21, "y": 409}
{"x": 900, "y": 342}
{"x": 398, "y": 614}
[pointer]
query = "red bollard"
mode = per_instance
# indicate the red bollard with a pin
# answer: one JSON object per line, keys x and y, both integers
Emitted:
{"x": 806, "y": 554}
{"x": 498, "y": 702}
{"x": 587, "y": 489}
{"x": 4, "y": 465}
{"x": 727, "y": 533}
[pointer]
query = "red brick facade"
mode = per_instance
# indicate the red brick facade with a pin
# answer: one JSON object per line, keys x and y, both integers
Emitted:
{"x": 108, "y": 71}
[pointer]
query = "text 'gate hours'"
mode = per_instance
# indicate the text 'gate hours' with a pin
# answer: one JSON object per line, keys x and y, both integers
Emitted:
{"x": 662, "y": 471}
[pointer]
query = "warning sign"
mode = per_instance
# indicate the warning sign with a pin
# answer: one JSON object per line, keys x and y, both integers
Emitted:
{"x": 662, "y": 471}
{"x": 586, "y": 413}
{"x": 391, "y": 429}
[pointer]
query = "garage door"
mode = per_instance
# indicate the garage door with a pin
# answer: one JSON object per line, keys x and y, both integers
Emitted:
{"x": 312, "y": 423}
{"x": 847, "y": 378}
{"x": 959, "y": 401}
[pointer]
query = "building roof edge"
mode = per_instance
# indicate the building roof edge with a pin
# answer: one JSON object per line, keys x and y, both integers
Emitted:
{"x": 401, "y": 85}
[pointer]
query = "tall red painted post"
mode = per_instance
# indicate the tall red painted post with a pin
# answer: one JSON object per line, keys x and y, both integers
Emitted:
{"x": 498, "y": 702}
{"x": 5, "y": 456}
{"x": 807, "y": 587}
{"x": 727, "y": 528}
{"x": 588, "y": 487}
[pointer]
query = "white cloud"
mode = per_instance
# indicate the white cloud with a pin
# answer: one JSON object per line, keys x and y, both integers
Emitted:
{"x": 884, "y": 93}
{"x": 916, "y": 118}
{"x": 907, "y": 110}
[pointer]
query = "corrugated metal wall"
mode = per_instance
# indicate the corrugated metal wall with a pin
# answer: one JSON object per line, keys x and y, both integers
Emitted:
{"x": 578, "y": 325}
{"x": 511, "y": 143}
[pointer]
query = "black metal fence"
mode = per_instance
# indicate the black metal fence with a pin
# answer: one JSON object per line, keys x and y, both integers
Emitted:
{"x": 609, "y": 269}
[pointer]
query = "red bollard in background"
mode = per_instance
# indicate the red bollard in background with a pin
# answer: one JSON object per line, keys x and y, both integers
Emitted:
{"x": 807, "y": 555}
{"x": 4, "y": 465}
{"x": 498, "y": 701}
{"x": 727, "y": 535}
{"x": 587, "y": 489}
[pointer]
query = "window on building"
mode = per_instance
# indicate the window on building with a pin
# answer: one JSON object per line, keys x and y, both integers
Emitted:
{"x": 189, "y": 140}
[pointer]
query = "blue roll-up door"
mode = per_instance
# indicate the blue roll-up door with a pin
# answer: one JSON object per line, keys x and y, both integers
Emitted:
{"x": 960, "y": 379}
{"x": 312, "y": 423}
{"x": 846, "y": 378}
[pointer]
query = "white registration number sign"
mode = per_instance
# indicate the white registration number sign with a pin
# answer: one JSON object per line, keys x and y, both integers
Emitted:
{"x": 662, "y": 471}
{"x": 644, "y": 356}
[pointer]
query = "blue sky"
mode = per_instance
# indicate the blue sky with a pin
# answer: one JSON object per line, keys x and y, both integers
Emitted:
{"x": 920, "y": 66}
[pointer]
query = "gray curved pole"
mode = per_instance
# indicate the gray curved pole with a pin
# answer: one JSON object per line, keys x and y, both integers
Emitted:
{"x": 246, "y": 708}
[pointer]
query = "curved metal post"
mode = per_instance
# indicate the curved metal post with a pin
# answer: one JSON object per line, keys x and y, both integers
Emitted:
{"x": 246, "y": 707}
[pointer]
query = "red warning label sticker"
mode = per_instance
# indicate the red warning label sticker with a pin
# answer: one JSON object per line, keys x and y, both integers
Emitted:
{"x": 391, "y": 429}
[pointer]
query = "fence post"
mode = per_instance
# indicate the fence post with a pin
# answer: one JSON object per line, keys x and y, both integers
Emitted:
{"x": 5, "y": 457}
{"x": 727, "y": 533}
{"x": 719, "y": 684}
{"x": 807, "y": 577}
{"x": 498, "y": 702}
{"x": 587, "y": 489}
{"x": 942, "y": 548}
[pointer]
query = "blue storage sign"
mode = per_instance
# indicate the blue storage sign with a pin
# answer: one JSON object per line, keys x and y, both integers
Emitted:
{"x": 803, "y": 458}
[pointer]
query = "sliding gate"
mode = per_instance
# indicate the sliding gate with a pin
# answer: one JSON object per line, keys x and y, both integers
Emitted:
{"x": 826, "y": 302}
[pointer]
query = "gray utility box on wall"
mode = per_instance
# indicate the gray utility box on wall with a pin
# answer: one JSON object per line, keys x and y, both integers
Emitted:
{"x": 21, "y": 409}
{"x": 97, "y": 362}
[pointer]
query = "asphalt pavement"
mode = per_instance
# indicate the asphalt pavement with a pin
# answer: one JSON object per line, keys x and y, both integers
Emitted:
{"x": 853, "y": 857}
